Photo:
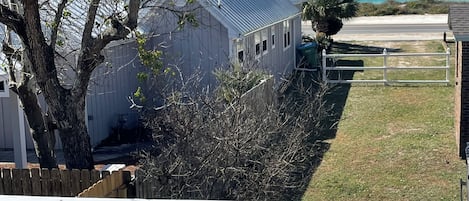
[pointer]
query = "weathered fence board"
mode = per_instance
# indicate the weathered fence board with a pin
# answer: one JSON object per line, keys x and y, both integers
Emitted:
{"x": 76, "y": 184}
{"x": 66, "y": 183}
{"x": 114, "y": 186}
{"x": 55, "y": 183}
{"x": 35, "y": 182}
{"x": 45, "y": 182}
{"x": 16, "y": 182}
{"x": 86, "y": 179}
{"x": 6, "y": 175}
{"x": 1, "y": 186}
{"x": 26, "y": 182}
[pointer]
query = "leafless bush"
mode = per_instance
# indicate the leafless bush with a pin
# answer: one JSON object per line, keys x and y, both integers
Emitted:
{"x": 206, "y": 149}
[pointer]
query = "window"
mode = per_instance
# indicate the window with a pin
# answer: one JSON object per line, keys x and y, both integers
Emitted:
{"x": 286, "y": 34}
{"x": 4, "y": 92}
{"x": 257, "y": 41}
{"x": 265, "y": 37}
{"x": 240, "y": 49}
{"x": 12, "y": 4}
{"x": 272, "y": 33}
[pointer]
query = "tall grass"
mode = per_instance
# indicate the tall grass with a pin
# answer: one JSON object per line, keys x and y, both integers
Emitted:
{"x": 391, "y": 7}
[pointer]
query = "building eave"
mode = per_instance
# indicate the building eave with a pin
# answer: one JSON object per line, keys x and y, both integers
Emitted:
{"x": 289, "y": 18}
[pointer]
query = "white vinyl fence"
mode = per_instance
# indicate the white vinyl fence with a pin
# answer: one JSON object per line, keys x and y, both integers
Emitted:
{"x": 385, "y": 68}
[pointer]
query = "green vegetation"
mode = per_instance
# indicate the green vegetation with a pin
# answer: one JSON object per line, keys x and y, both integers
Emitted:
{"x": 236, "y": 81}
{"x": 393, "y": 143}
{"x": 327, "y": 15}
{"x": 396, "y": 8}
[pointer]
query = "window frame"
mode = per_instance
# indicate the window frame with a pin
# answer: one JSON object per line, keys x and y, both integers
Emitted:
{"x": 5, "y": 92}
{"x": 272, "y": 37}
{"x": 265, "y": 41}
{"x": 240, "y": 50}
{"x": 257, "y": 44}
{"x": 286, "y": 34}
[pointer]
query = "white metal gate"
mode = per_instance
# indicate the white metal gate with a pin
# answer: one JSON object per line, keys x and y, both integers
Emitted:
{"x": 385, "y": 68}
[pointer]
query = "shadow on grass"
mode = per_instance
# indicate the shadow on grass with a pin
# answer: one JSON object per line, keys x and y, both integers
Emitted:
{"x": 335, "y": 100}
{"x": 346, "y": 48}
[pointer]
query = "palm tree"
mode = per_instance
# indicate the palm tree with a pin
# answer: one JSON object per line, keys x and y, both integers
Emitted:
{"x": 326, "y": 15}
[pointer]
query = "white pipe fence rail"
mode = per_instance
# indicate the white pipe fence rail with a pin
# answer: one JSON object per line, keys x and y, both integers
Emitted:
{"x": 385, "y": 68}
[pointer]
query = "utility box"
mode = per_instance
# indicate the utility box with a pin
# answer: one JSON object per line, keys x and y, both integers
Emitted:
{"x": 309, "y": 54}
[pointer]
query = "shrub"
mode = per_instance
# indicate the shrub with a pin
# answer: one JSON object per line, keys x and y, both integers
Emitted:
{"x": 206, "y": 149}
{"x": 236, "y": 81}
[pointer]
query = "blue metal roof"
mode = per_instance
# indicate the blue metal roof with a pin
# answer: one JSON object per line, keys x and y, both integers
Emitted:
{"x": 246, "y": 16}
{"x": 296, "y": 2}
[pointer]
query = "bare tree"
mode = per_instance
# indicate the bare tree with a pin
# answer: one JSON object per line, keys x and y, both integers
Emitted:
{"x": 40, "y": 47}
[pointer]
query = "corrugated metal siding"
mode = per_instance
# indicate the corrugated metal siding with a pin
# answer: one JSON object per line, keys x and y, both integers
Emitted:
{"x": 199, "y": 49}
{"x": 279, "y": 61}
{"x": 110, "y": 86}
{"x": 8, "y": 121}
{"x": 245, "y": 16}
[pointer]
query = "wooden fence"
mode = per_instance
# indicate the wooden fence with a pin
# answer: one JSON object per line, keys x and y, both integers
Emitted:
{"x": 115, "y": 185}
{"x": 65, "y": 183}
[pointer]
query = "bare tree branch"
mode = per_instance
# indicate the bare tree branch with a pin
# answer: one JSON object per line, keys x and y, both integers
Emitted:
{"x": 120, "y": 29}
{"x": 57, "y": 21}
{"x": 13, "y": 20}
{"x": 39, "y": 52}
{"x": 90, "y": 19}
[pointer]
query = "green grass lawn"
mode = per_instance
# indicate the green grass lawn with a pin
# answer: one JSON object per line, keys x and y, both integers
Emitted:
{"x": 393, "y": 143}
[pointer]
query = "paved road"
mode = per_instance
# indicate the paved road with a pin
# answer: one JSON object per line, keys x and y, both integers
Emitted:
{"x": 394, "y": 28}
{"x": 386, "y": 29}
{"x": 409, "y": 27}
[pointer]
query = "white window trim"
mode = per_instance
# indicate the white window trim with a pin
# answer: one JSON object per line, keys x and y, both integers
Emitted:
{"x": 6, "y": 92}
{"x": 286, "y": 34}
{"x": 265, "y": 37}
{"x": 257, "y": 41}
{"x": 272, "y": 37}
{"x": 239, "y": 48}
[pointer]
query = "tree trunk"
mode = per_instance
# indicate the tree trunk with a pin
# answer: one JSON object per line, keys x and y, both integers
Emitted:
{"x": 67, "y": 106}
{"x": 76, "y": 148}
{"x": 41, "y": 135}
{"x": 321, "y": 26}
{"x": 76, "y": 143}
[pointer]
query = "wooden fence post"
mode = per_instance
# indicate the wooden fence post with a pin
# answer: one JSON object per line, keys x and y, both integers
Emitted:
{"x": 75, "y": 186}
{"x": 25, "y": 181}
{"x": 55, "y": 183}
{"x": 45, "y": 182}
{"x": 85, "y": 179}
{"x": 16, "y": 182}
{"x": 35, "y": 182}
{"x": 7, "y": 181}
